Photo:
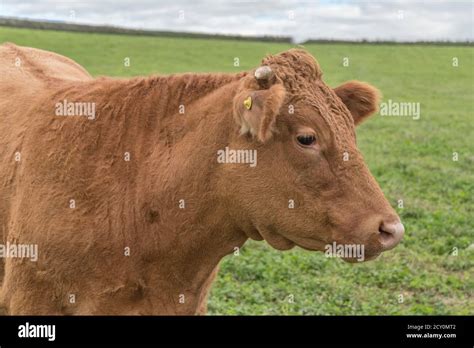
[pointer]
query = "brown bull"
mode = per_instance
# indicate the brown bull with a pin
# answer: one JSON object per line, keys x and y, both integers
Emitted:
{"x": 133, "y": 190}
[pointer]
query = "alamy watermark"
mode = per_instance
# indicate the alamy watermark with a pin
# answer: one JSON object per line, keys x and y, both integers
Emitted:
{"x": 68, "y": 108}
{"x": 393, "y": 108}
{"x": 237, "y": 156}
{"x": 29, "y": 251}
{"x": 349, "y": 251}
{"x": 28, "y": 330}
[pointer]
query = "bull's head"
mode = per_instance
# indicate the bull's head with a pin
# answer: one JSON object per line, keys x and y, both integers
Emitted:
{"x": 310, "y": 186}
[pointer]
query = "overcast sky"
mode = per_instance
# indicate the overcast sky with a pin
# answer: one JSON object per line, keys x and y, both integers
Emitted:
{"x": 402, "y": 20}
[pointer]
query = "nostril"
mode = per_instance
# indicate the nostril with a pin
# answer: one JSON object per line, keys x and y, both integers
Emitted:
{"x": 385, "y": 236}
{"x": 390, "y": 234}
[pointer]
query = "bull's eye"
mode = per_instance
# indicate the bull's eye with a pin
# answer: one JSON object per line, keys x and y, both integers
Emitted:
{"x": 306, "y": 139}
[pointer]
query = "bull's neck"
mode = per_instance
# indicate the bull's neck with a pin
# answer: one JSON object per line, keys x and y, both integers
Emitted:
{"x": 163, "y": 97}
{"x": 181, "y": 207}
{"x": 158, "y": 110}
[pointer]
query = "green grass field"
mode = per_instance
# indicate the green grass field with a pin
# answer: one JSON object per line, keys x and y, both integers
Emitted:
{"x": 411, "y": 159}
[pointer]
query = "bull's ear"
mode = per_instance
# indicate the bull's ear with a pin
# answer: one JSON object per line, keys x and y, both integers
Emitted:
{"x": 255, "y": 111}
{"x": 360, "y": 98}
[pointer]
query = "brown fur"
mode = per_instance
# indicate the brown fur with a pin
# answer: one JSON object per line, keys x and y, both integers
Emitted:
{"x": 135, "y": 204}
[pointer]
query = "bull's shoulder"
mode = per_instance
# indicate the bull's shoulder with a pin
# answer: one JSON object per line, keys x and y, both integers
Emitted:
{"x": 20, "y": 63}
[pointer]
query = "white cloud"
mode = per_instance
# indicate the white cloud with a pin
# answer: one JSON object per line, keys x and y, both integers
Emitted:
{"x": 402, "y": 20}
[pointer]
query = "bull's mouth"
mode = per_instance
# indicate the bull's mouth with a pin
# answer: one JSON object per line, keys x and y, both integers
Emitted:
{"x": 280, "y": 241}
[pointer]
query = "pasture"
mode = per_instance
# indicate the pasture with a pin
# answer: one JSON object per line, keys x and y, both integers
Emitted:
{"x": 425, "y": 166}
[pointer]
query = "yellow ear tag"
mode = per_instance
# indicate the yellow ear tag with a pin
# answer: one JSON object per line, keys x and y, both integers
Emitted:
{"x": 248, "y": 103}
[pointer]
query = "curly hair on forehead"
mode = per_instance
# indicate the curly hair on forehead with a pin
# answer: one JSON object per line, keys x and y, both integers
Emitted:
{"x": 301, "y": 76}
{"x": 296, "y": 68}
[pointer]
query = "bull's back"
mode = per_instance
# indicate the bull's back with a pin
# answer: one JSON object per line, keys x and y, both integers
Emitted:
{"x": 20, "y": 62}
{"x": 29, "y": 72}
